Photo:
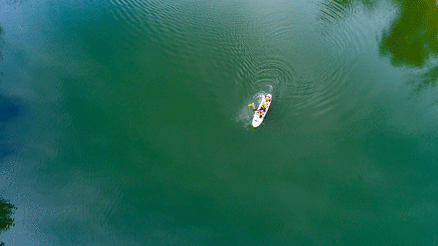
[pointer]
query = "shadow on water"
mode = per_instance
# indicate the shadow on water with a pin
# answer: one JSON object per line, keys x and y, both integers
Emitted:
{"x": 411, "y": 40}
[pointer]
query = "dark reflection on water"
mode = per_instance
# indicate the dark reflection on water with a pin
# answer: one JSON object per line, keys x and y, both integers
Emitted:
{"x": 412, "y": 38}
{"x": 10, "y": 108}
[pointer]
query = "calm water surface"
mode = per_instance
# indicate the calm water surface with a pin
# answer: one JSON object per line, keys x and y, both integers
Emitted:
{"x": 125, "y": 122}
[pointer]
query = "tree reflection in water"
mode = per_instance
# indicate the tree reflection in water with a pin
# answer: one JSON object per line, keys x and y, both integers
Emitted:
{"x": 412, "y": 38}
{"x": 6, "y": 211}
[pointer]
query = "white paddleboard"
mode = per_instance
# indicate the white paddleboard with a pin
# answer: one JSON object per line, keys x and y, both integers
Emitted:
{"x": 260, "y": 113}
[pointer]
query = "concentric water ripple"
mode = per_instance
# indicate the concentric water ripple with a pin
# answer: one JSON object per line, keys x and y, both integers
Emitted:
{"x": 261, "y": 42}
{"x": 308, "y": 79}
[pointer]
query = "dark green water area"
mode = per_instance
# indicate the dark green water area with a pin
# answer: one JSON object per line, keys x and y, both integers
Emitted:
{"x": 125, "y": 122}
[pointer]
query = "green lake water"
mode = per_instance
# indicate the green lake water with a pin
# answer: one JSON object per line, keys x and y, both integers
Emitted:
{"x": 127, "y": 122}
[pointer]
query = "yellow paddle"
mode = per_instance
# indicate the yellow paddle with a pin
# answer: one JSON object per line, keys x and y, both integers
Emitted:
{"x": 252, "y": 104}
